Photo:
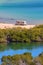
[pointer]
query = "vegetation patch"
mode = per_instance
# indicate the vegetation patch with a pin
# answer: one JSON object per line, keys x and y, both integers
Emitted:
{"x": 22, "y": 35}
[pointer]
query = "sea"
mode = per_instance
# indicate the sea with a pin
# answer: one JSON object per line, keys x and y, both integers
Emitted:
{"x": 32, "y": 14}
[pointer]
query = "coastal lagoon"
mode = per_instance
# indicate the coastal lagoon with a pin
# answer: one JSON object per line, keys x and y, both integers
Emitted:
{"x": 19, "y": 48}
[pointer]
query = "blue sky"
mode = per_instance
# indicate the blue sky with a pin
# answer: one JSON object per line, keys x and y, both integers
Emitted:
{"x": 17, "y": 1}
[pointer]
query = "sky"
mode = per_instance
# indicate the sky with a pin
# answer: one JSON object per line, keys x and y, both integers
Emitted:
{"x": 18, "y": 1}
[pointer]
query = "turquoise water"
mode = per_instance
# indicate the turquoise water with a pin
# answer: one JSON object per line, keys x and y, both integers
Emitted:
{"x": 35, "y": 52}
{"x": 33, "y": 15}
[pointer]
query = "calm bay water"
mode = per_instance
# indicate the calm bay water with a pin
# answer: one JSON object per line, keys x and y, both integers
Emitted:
{"x": 20, "y": 48}
{"x": 33, "y": 15}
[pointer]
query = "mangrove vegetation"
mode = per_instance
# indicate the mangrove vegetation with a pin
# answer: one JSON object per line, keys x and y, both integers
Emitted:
{"x": 22, "y": 59}
{"x": 22, "y": 35}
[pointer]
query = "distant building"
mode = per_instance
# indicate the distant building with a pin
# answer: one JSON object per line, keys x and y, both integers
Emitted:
{"x": 20, "y": 23}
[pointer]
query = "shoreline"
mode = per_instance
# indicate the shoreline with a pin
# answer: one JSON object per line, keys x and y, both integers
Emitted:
{"x": 7, "y": 25}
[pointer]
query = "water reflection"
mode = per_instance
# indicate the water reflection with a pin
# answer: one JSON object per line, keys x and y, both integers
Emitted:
{"x": 29, "y": 46}
{"x": 19, "y": 48}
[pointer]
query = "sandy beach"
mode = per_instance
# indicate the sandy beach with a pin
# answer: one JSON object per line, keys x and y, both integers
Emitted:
{"x": 6, "y": 25}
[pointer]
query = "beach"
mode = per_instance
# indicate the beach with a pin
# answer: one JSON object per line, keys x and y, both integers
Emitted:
{"x": 7, "y": 25}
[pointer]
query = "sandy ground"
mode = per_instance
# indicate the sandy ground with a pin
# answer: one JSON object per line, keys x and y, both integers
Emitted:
{"x": 5, "y": 25}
